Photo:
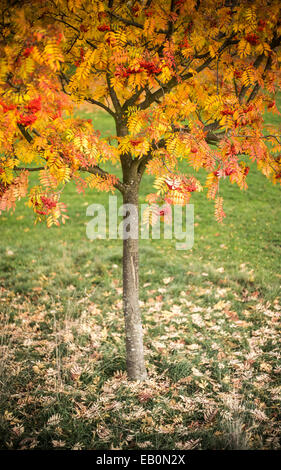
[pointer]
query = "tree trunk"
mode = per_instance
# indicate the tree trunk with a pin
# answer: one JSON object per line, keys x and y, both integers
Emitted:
{"x": 133, "y": 326}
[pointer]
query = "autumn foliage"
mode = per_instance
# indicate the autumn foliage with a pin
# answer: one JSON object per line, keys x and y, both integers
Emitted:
{"x": 185, "y": 81}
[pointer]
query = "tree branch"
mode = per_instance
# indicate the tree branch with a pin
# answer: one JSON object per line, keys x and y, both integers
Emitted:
{"x": 93, "y": 169}
{"x": 143, "y": 162}
{"x": 39, "y": 168}
{"x": 257, "y": 86}
{"x": 74, "y": 29}
{"x": 113, "y": 96}
{"x": 125, "y": 21}
{"x": 25, "y": 133}
{"x": 62, "y": 77}
{"x": 133, "y": 23}
{"x": 170, "y": 23}
{"x": 211, "y": 138}
{"x": 276, "y": 41}
{"x": 96, "y": 170}
{"x": 245, "y": 88}
{"x": 131, "y": 101}
{"x": 101, "y": 105}
{"x": 174, "y": 82}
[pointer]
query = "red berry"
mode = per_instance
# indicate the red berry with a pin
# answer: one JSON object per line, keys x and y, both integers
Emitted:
{"x": 271, "y": 104}
{"x": 27, "y": 120}
{"x": 49, "y": 203}
{"x": 34, "y": 105}
{"x": 252, "y": 39}
{"x": 27, "y": 51}
{"x": 136, "y": 10}
{"x": 136, "y": 142}
{"x": 261, "y": 25}
{"x": 83, "y": 28}
{"x": 102, "y": 14}
{"x": 41, "y": 212}
{"x": 226, "y": 112}
{"x": 228, "y": 171}
{"x": 237, "y": 73}
{"x": 191, "y": 187}
{"x": 103, "y": 27}
{"x": 7, "y": 107}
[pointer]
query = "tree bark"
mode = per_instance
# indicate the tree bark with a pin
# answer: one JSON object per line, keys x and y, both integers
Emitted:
{"x": 133, "y": 325}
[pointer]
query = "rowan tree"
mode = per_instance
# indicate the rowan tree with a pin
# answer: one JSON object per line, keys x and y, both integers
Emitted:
{"x": 184, "y": 80}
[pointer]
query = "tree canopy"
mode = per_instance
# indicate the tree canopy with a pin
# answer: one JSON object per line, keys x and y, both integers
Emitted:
{"x": 184, "y": 81}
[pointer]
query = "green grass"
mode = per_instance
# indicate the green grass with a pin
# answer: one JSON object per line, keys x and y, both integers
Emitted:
{"x": 211, "y": 320}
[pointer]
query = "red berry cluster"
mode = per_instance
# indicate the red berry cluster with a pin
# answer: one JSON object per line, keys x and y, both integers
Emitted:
{"x": 82, "y": 54}
{"x": 184, "y": 44}
{"x": 166, "y": 210}
{"x": 271, "y": 104}
{"x": 27, "y": 51}
{"x": 111, "y": 41}
{"x": 227, "y": 112}
{"x": 191, "y": 187}
{"x": 102, "y": 14}
{"x": 44, "y": 212}
{"x": 252, "y": 39}
{"x": 32, "y": 108}
{"x": 59, "y": 38}
{"x": 150, "y": 67}
{"x": 232, "y": 150}
{"x": 237, "y": 73}
{"x": 248, "y": 108}
{"x": 228, "y": 171}
{"x": 261, "y": 25}
{"x": 27, "y": 120}
{"x": 184, "y": 185}
{"x": 136, "y": 10}
{"x": 83, "y": 28}
{"x": 7, "y": 107}
{"x": 125, "y": 72}
{"x": 34, "y": 105}
{"x": 223, "y": 172}
{"x": 104, "y": 27}
{"x": 136, "y": 142}
{"x": 49, "y": 203}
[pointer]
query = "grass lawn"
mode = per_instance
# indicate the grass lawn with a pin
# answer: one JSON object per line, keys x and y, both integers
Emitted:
{"x": 211, "y": 319}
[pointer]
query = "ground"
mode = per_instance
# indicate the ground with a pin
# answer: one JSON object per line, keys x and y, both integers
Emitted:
{"x": 211, "y": 321}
